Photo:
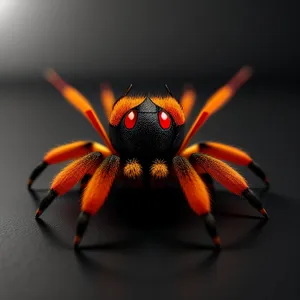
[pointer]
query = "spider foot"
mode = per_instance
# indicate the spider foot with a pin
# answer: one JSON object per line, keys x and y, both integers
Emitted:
{"x": 82, "y": 223}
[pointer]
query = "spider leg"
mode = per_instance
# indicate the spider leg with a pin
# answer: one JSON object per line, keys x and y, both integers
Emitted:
{"x": 96, "y": 193}
{"x": 196, "y": 194}
{"x": 107, "y": 98}
{"x": 228, "y": 177}
{"x": 66, "y": 152}
{"x": 89, "y": 175}
{"x": 105, "y": 152}
{"x": 85, "y": 180}
{"x": 208, "y": 180}
{"x": 216, "y": 101}
{"x": 81, "y": 103}
{"x": 230, "y": 154}
{"x": 187, "y": 100}
{"x": 68, "y": 177}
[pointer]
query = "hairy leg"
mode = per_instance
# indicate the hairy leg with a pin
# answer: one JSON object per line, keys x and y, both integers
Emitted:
{"x": 96, "y": 193}
{"x": 68, "y": 177}
{"x": 227, "y": 153}
{"x": 187, "y": 100}
{"x": 196, "y": 194}
{"x": 66, "y": 152}
{"x": 228, "y": 177}
{"x": 107, "y": 98}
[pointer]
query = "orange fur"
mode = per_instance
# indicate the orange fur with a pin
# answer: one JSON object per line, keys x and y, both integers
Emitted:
{"x": 133, "y": 169}
{"x": 66, "y": 152}
{"x": 171, "y": 106}
{"x": 190, "y": 150}
{"x": 92, "y": 117}
{"x": 107, "y": 99}
{"x": 71, "y": 94}
{"x": 74, "y": 172}
{"x": 159, "y": 169}
{"x": 221, "y": 172}
{"x": 73, "y": 150}
{"x": 127, "y": 103}
{"x": 102, "y": 149}
{"x": 75, "y": 98}
{"x": 193, "y": 187}
{"x": 187, "y": 101}
{"x": 226, "y": 152}
{"x": 100, "y": 184}
{"x": 122, "y": 107}
{"x": 216, "y": 101}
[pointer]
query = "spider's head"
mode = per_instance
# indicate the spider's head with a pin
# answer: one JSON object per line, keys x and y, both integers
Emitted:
{"x": 146, "y": 127}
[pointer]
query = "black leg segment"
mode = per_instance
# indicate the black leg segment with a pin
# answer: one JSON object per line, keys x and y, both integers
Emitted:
{"x": 46, "y": 202}
{"x": 82, "y": 223}
{"x": 255, "y": 202}
{"x": 211, "y": 227}
{"x": 36, "y": 172}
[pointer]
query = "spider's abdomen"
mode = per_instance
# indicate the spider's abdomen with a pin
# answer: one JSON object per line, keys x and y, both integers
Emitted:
{"x": 147, "y": 132}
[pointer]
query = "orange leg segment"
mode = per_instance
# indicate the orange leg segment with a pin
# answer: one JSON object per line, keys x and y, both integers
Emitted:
{"x": 196, "y": 194}
{"x": 216, "y": 101}
{"x": 187, "y": 100}
{"x": 107, "y": 98}
{"x": 96, "y": 193}
{"x": 228, "y": 177}
{"x": 79, "y": 101}
{"x": 66, "y": 152}
{"x": 68, "y": 177}
{"x": 227, "y": 153}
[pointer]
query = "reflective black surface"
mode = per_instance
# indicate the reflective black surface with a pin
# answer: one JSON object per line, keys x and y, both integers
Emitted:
{"x": 148, "y": 244}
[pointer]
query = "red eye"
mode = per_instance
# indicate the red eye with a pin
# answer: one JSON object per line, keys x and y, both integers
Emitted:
{"x": 164, "y": 119}
{"x": 130, "y": 119}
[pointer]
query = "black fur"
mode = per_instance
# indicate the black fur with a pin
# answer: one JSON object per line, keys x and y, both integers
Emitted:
{"x": 147, "y": 141}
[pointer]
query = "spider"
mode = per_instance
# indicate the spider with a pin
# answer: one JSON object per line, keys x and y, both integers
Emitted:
{"x": 147, "y": 143}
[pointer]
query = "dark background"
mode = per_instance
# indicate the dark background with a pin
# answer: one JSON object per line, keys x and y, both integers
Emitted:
{"x": 130, "y": 38}
{"x": 149, "y": 245}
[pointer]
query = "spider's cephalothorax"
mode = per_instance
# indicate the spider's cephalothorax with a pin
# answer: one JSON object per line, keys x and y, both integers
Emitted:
{"x": 147, "y": 131}
{"x": 146, "y": 137}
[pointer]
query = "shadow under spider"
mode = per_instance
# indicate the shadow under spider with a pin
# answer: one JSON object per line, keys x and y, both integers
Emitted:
{"x": 244, "y": 240}
{"x": 126, "y": 244}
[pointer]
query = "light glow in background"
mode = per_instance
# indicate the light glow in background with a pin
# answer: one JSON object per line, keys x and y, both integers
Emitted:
{"x": 118, "y": 37}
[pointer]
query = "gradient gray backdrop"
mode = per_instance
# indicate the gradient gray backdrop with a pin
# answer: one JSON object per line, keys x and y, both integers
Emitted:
{"x": 149, "y": 245}
{"x": 148, "y": 37}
